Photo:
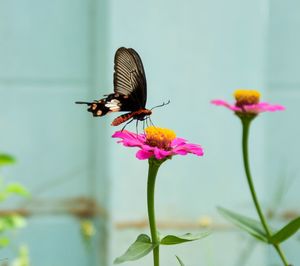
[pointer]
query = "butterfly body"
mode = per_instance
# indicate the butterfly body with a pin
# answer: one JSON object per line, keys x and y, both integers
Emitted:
{"x": 138, "y": 115}
{"x": 130, "y": 89}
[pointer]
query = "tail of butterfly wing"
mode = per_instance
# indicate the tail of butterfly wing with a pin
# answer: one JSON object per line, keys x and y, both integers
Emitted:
{"x": 111, "y": 103}
{"x": 97, "y": 108}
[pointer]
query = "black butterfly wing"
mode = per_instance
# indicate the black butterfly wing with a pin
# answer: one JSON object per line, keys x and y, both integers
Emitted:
{"x": 130, "y": 79}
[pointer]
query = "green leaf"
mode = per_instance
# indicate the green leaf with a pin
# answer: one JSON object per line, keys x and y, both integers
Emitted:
{"x": 16, "y": 188}
{"x": 6, "y": 159}
{"x": 3, "y": 196}
{"x": 180, "y": 261}
{"x": 174, "y": 240}
{"x": 10, "y": 222}
{"x": 286, "y": 232}
{"x": 140, "y": 248}
{"x": 4, "y": 241}
{"x": 253, "y": 227}
{"x": 17, "y": 221}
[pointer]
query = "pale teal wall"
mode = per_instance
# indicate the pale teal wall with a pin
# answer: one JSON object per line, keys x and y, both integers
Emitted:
{"x": 194, "y": 52}
{"x": 282, "y": 134}
{"x": 47, "y": 61}
{"x": 53, "y": 53}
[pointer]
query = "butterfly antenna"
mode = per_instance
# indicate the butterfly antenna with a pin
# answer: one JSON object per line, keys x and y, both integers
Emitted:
{"x": 161, "y": 105}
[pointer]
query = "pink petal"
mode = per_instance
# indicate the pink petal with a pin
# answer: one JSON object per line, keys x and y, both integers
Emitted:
{"x": 129, "y": 139}
{"x": 178, "y": 145}
{"x": 251, "y": 108}
{"x": 178, "y": 141}
{"x": 196, "y": 149}
{"x": 146, "y": 147}
{"x": 263, "y": 107}
{"x": 142, "y": 154}
{"x": 122, "y": 134}
{"x": 226, "y": 104}
{"x": 189, "y": 148}
{"x": 161, "y": 154}
{"x": 180, "y": 151}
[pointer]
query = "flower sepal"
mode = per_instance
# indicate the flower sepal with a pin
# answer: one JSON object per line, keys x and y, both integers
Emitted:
{"x": 245, "y": 116}
{"x": 156, "y": 162}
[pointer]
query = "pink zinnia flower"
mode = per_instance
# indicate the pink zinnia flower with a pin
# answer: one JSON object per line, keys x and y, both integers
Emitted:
{"x": 247, "y": 102}
{"x": 159, "y": 143}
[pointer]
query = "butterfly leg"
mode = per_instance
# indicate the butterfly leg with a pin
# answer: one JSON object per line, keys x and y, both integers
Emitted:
{"x": 127, "y": 124}
{"x": 147, "y": 124}
{"x": 136, "y": 127}
{"x": 151, "y": 121}
{"x": 144, "y": 126}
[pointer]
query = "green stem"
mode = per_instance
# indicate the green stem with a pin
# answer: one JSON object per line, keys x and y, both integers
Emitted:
{"x": 246, "y": 121}
{"x": 152, "y": 172}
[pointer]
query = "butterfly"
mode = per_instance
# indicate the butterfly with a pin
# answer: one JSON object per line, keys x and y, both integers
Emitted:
{"x": 130, "y": 90}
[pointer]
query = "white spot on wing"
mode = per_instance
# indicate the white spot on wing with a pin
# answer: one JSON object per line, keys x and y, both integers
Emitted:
{"x": 115, "y": 109}
{"x": 113, "y": 105}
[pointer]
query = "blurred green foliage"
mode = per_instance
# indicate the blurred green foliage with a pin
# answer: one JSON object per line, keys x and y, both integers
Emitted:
{"x": 23, "y": 257}
{"x": 9, "y": 221}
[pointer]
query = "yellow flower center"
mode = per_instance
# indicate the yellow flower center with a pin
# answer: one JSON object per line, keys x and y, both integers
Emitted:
{"x": 246, "y": 97}
{"x": 159, "y": 137}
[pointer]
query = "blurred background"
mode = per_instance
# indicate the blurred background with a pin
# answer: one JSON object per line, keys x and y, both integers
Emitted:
{"x": 88, "y": 194}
